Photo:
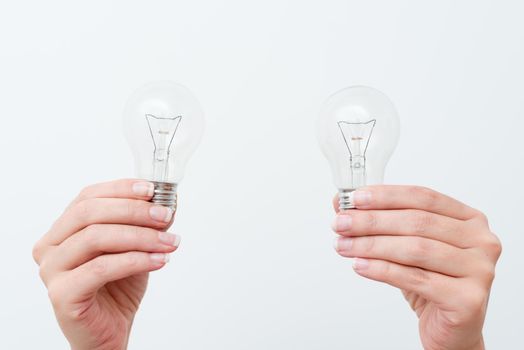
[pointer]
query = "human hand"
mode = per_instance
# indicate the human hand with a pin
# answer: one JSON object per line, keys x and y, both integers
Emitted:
{"x": 96, "y": 258}
{"x": 438, "y": 251}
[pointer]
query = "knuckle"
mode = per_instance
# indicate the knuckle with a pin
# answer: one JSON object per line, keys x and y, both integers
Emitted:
{"x": 42, "y": 272}
{"x": 117, "y": 185}
{"x": 91, "y": 236}
{"x": 82, "y": 210}
{"x": 85, "y": 193}
{"x": 421, "y": 222}
{"x": 99, "y": 266}
{"x": 37, "y": 252}
{"x": 460, "y": 229}
{"x": 134, "y": 234}
{"x": 361, "y": 246}
{"x": 426, "y": 196}
{"x": 367, "y": 244}
{"x": 383, "y": 271}
{"x": 133, "y": 230}
{"x": 55, "y": 294}
{"x": 131, "y": 260}
{"x": 417, "y": 278}
{"x": 370, "y": 221}
{"x": 495, "y": 246}
{"x": 131, "y": 210}
{"x": 92, "y": 229}
{"x": 476, "y": 301}
{"x": 488, "y": 273}
{"x": 420, "y": 251}
{"x": 481, "y": 218}
{"x": 492, "y": 245}
{"x": 45, "y": 270}
{"x": 141, "y": 234}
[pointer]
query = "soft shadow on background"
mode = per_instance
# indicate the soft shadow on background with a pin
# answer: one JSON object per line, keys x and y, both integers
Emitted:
{"x": 256, "y": 268}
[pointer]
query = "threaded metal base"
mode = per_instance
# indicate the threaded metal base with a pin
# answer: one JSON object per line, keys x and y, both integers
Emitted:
{"x": 345, "y": 199}
{"x": 165, "y": 194}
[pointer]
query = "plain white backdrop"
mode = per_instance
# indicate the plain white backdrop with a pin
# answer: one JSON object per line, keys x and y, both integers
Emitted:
{"x": 256, "y": 268}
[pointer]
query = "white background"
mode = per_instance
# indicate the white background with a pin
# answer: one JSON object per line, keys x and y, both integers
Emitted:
{"x": 256, "y": 269}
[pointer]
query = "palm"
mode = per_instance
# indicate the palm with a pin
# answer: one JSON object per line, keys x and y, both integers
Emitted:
{"x": 432, "y": 326}
{"x": 110, "y": 314}
{"x": 435, "y": 328}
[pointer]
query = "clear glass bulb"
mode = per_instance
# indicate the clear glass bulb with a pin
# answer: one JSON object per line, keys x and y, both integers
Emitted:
{"x": 358, "y": 130}
{"x": 163, "y": 123}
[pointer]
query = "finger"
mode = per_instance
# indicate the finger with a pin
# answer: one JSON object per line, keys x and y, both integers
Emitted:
{"x": 405, "y": 222}
{"x": 83, "y": 282}
{"x": 419, "y": 252}
{"x": 96, "y": 240}
{"x": 411, "y": 197}
{"x": 430, "y": 285}
{"x": 108, "y": 211}
{"x": 124, "y": 188}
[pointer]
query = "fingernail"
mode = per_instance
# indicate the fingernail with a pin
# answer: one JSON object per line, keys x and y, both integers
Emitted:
{"x": 143, "y": 188}
{"x": 169, "y": 238}
{"x": 360, "y": 264}
{"x": 342, "y": 223}
{"x": 159, "y": 258}
{"x": 160, "y": 213}
{"x": 361, "y": 198}
{"x": 343, "y": 244}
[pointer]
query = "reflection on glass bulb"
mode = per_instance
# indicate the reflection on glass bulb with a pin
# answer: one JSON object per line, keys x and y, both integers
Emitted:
{"x": 357, "y": 130}
{"x": 163, "y": 123}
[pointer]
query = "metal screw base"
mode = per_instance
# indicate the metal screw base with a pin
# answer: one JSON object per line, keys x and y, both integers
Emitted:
{"x": 165, "y": 194}
{"x": 345, "y": 199}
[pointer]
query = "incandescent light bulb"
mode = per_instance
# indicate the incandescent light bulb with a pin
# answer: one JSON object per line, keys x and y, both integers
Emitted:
{"x": 358, "y": 130}
{"x": 163, "y": 123}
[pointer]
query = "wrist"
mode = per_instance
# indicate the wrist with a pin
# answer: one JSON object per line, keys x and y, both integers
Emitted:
{"x": 479, "y": 345}
{"x": 104, "y": 347}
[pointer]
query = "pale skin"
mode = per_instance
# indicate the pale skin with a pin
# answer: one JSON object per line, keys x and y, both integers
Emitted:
{"x": 439, "y": 252}
{"x": 96, "y": 258}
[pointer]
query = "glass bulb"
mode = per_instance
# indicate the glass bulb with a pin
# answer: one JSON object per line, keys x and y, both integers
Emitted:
{"x": 358, "y": 130}
{"x": 163, "y": 123}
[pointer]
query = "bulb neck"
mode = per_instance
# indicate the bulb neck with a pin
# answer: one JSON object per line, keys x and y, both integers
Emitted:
{"x": 345, "y": 199}
{"x": 358, "y": 171}
{"x": 165, "y": 194}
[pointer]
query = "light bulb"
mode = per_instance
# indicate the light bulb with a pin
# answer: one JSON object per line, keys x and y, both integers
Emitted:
{"x": 163, "y": 123}
{"x": 358, "y": 130}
